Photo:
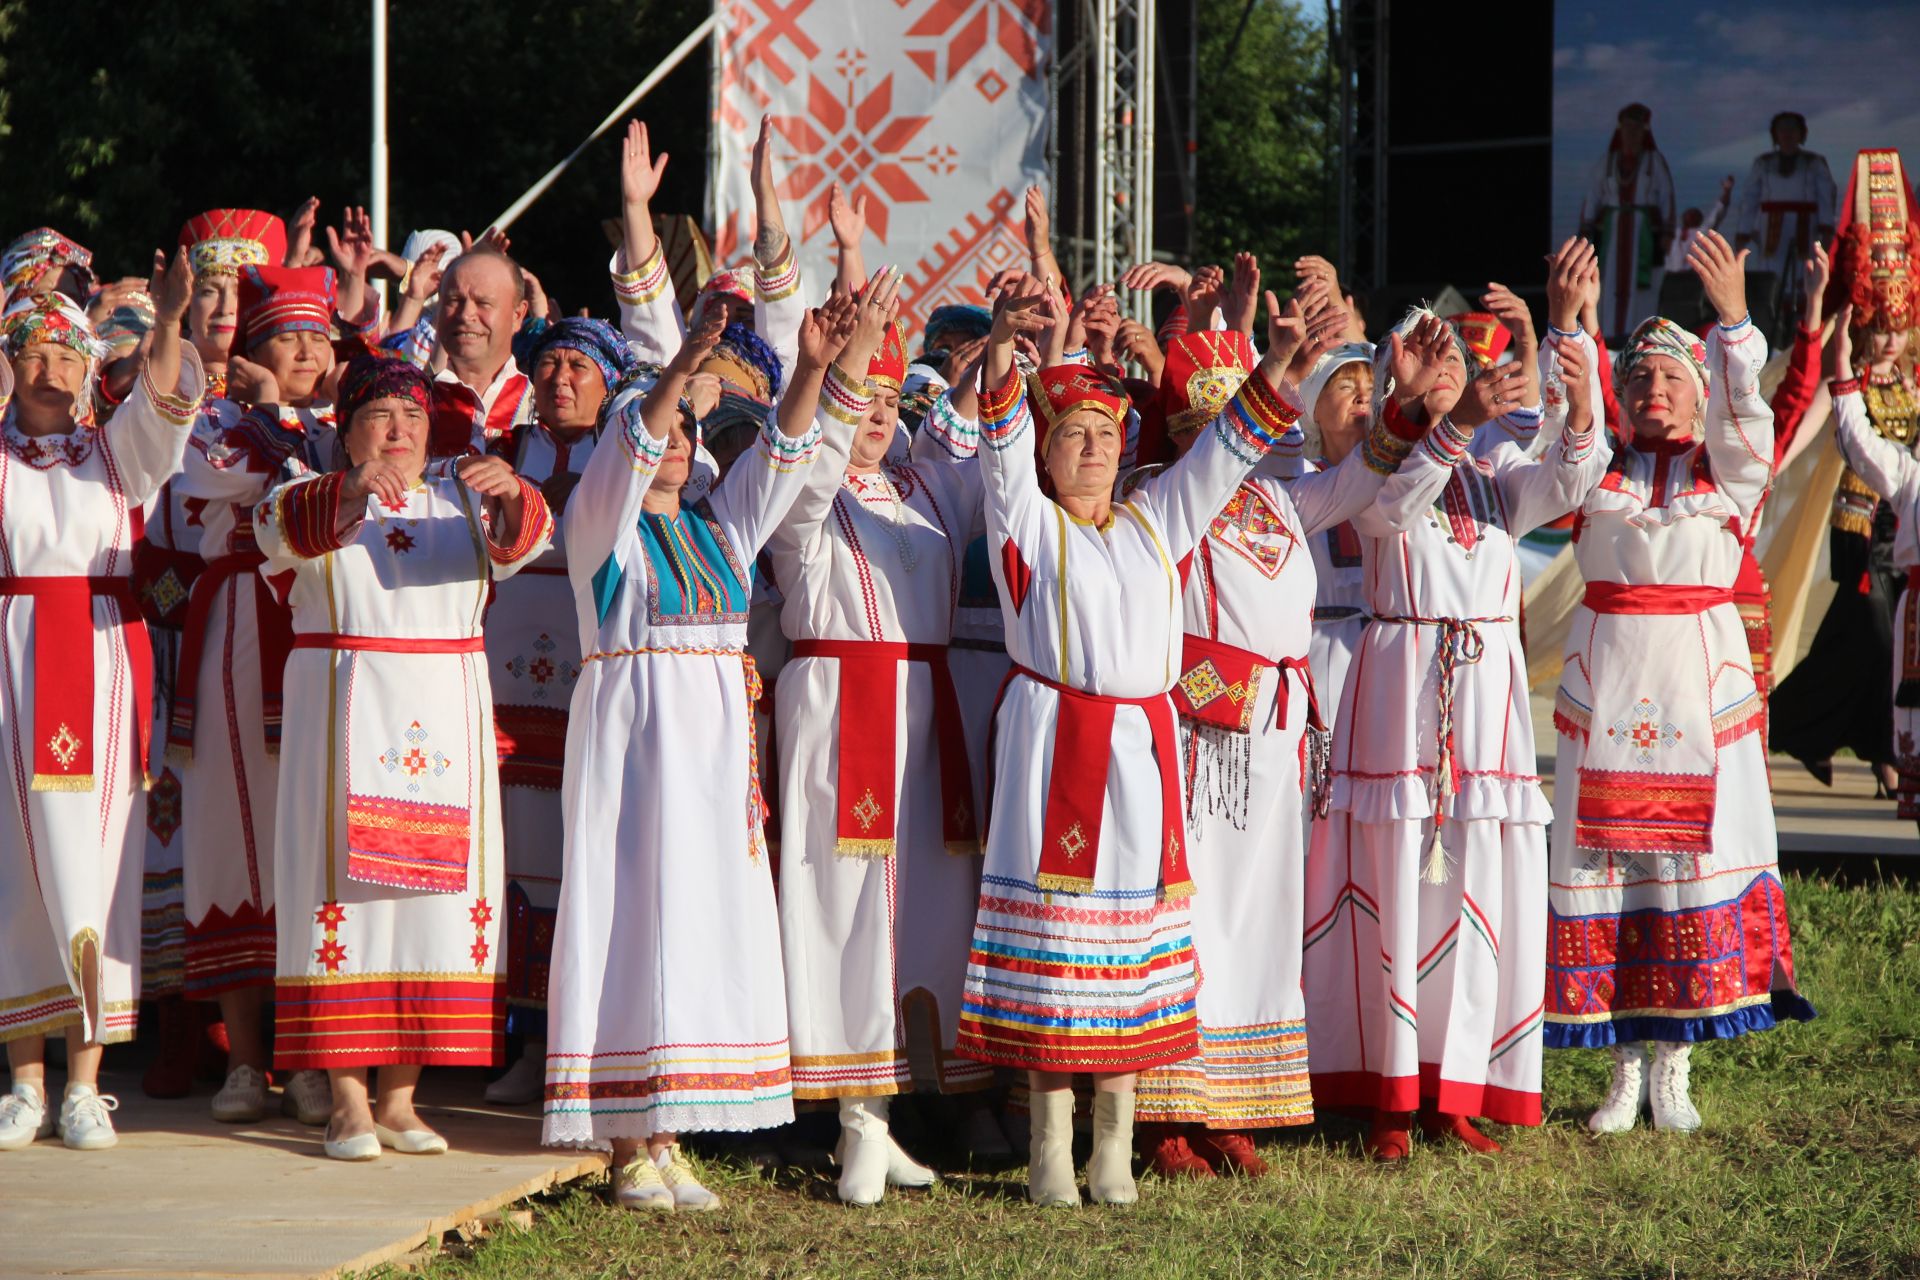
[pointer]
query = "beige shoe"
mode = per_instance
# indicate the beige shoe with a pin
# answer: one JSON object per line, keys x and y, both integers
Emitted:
{"x": 411, "y": 1142}
{"x": 1050, "y": 1181}
{"x": 679, "y": 1178}
{"x": 637, "y": 1185}
{"x": 243, "y": 1098}
{"x": 1110, "y": 1168}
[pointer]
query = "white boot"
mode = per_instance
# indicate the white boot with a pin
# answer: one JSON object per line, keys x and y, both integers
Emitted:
{"x": 1110, "y": 1168}
{"x": 904, "y": 1171}
{"x": 1673, "y": 1110}
{"x": 1628, "y": 1095}
{"x": 864, "y": 1151}
{"x": 1050, "y": 1149}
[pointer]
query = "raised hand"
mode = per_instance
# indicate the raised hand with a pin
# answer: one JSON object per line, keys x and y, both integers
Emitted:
{"x": 1311, "y": 267}
{"x": 1837, "y": 360}
{"x": 351, "y": 247}
{"x": 640, "y": 170}
{"x": 1326, "y": 320}
{"x": 423, "y": 280}
{"x": 879, "y": 306}
{"x": 1418, "y": 359}
{"x": 1571, "y": 355}
{"x": 1136, "y": 342}
{"x": 1102, "y": 323}
{"x": 1723, "y": 274}
{"x": 1039, "y": 226}
{"x": 376, "y": 479}
{"x": 1005, "y": 280}
{"x": 1243, "y": 298}
{"x": 1204, "y": 294}
{"x": 825, "y": 330}
{"x": 962, "y": 358}
{"x": 171, "y": 285}
{"x": 250, "y": 383}
{"x": 1092, "y": 299}
{"x": 1147, "y": 276}
{"x": 701, "y": 339}
{"x": 300, "y": 232}
{"x": 849, "y": 221}
{"x": 538, "y": 304}
{"x": 1517, "y": 320}
{"x": 770, "y": 226}
{"x": 1286, "y": 332}
{"x": 1819, "y": 270}
{"x": 1015, "y": 317}
{"x": 1566, "y": 273}
{"x": 1493, "y": 393}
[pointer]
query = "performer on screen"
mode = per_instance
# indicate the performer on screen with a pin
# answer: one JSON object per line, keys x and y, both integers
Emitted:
{"x": 1628, "y": 214}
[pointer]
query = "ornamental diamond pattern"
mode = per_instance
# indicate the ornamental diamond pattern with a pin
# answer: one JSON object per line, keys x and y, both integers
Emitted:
{"x": 1644, "y": 732}
{"x": 935, "y": 110}
{"x": 414, "y": 761}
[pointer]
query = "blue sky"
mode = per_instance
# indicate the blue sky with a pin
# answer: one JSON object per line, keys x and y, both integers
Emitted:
{"x": 1715, "y": 73}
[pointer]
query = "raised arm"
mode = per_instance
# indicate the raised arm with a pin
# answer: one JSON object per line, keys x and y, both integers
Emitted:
{"x": 1794, "y": 399}
{"x": 777, "y": 304}
{"x": 1429, "y": 453}
{"x": 148, "y": 433}
{"x": 649, "y": 313}
{"x": 1879, "y": 461}
{"x": 849, "y": 222}
{"x": 839, "y": 401}
{"x": 1739, "y": 424}
{"x": 1537, "y": 490}
{"x": 1520, "y": 420}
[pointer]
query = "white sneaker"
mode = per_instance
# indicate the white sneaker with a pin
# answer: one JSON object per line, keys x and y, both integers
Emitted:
{"x": 1627, "y": 1097}
{"x": 678, "y": 1176}
{"x": 525, "y": 1082}
{"x": 243, "y": 1098}
{"x": 308, "y": 1098}
{"x": 23, "y": 1117}
{"x": 1673, "y": 1110}
{"x": 84, "y": 1122}
{"x": 637, "y": 1185}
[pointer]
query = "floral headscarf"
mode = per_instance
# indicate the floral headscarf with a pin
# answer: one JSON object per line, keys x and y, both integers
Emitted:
{"x": 1661, "y": 337}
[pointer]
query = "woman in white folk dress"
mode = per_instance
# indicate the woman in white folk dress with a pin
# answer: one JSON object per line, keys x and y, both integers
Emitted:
{"x": 1426, "y": 883}
{"x": 666, "y": 1008}
{"x": 878, "y": 873}
{"x": 1247, "y": 702}
{"x": 77, "y": 678}
{"x": 387, "y": 858}
{"x": 578, "y": 366}
{"x": 1668, "y": 922}
{"x": 1337, "y": 396}
{"x": 224, "y": 733}
{"x": 1082, "y": 958}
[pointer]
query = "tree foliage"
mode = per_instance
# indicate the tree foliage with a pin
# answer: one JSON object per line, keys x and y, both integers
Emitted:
{"x": 1265, "y": 161}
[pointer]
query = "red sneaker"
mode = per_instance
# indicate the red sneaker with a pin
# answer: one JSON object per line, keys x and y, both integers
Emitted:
{"x": 1439, "y": 1126}
{"x": 214, "y": 1046}
{"x": 170, "y": 1074}
{"x": 1232, "y": 1151}
{"x": 1171, "y": 1157}
{"x": 1387, "y": 1137}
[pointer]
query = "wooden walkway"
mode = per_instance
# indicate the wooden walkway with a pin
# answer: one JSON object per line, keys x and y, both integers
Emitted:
{"x": 183, "y": 1196}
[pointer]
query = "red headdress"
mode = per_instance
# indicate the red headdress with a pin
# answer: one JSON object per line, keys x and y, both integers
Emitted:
{"x": 1063, "y": 389}
{"x": 221, "y": 241}
{"x": 1203, "y": 370}
{"x": 283, "y": 300}
{"x": 888, "y": 368}
{"x": 1876, "y": 247}
{"x": 1485, "y": 336}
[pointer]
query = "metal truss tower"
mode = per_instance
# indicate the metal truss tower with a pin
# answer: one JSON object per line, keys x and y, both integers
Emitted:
{"x": 1363, "y": 157}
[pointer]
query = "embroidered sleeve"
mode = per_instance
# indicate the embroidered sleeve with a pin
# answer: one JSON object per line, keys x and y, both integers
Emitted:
{"x": 785, "y": 452}
{"x": 1256, "y": 420}
{"x": 958, "y": 438}
{"x": 643, "y": 452}
{"x": 644, "y": 283}
{"x": 178, "y": 410}
{"x": 844, "y": 398}
{"x": 781, "y": 279}
{"x": 1004, "y": 415}
{"x": 536, "y": 528}
{"x": 1447, "y": 444}
{"x": 308, "y": 514}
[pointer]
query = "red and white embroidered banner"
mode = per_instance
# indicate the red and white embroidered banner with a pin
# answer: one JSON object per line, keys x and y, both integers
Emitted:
{"x": 936, "y": 110}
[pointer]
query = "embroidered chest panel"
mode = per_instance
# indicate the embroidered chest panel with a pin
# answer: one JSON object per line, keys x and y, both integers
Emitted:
{"x": 694, "y": 577}
{"x": 1469, "y": 506}
{"x": 1253, "y": 528}
{"x": 1656, "y": 477}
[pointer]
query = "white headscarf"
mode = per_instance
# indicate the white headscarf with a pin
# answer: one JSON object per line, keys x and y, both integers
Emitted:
{"x": 1316, "y": 382}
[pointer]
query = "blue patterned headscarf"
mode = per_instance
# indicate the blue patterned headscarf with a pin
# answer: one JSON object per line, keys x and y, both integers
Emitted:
{"x": 598, "y": 341}
{"x": 741, "y": 346}
{"x": 971, "y": 321}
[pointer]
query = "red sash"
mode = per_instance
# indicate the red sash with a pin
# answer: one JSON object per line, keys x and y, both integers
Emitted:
{"x": 63, "y": 627}
{"x": 272, "y": 621}
{"x": 388, "y": 644}
{"x": 1620, "y": 597}
{"x": 162, "y": 581}
{"x": 1219, "y": 684}
{"x": 1077, "y": 789}
{"x": 867, "y": 796}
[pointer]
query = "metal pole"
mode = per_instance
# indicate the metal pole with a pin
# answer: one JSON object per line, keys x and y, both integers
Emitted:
{"x": 1145, "y": 60}
{"x": 640, "y": 91}
{"x": 377, "y": 196}
{"x": 1103, "y": 193}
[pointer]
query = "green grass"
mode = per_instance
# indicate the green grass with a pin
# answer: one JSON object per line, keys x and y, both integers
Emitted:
{"x": 1809, "y": 1165}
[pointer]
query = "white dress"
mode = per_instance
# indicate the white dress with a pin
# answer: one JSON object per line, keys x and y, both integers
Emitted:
{"x": 224, "y": 735}
{"x": 1248, "y": 604}
{"x": 1893, "y": 472}
{"x": 387, "y": 862}
{"x": 533, "y": 660}
{"x": 1082, "y": 957}
{"x": 878, "y": 873}
{"x": 77, "y": 679}
{"x": 1423, "y": 994}
{"x": 666, "y": 1010}
{"x": 1667, "y": 918}
{"x": 1784, "y": 211}
{"x": 1628, "y": 218}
